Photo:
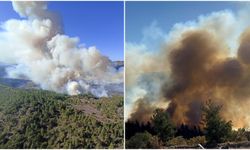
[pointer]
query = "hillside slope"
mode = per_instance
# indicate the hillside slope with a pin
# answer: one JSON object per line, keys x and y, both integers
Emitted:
{"x": 44, "y": 119}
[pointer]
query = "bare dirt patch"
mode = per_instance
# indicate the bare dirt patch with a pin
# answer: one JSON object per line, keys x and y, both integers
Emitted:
{"x": 90, "y": 110}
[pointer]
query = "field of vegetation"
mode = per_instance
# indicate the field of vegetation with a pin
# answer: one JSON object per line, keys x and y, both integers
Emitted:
{"x": 44, "y": 119}
{"x": 160, "y": 132}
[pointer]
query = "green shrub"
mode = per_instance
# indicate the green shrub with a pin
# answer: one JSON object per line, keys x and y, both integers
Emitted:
{"x": 197, "y": 140}
{"x": 179, "y": 140}
{"x": 143, "y": 140}
{"x": 239, "y": 135}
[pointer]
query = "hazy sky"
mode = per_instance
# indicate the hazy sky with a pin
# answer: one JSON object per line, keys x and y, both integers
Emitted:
{"x": 97, "y": 24}
{"x": 140, "y": 15}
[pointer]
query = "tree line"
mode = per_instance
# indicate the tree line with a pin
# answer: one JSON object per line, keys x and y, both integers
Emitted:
{"x": 160, "y": 132}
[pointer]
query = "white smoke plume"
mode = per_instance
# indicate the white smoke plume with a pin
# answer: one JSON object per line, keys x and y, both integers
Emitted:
{"x": 41, "y": 52}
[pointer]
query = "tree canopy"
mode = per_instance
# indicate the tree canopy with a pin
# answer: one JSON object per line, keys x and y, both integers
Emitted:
{"x": 217, "y": 130}
{"x": 44, "y": 119}
{"x": 163, "y": 125}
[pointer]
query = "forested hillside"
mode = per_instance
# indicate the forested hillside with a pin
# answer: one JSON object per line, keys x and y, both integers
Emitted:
{"x": 44, "y": 119}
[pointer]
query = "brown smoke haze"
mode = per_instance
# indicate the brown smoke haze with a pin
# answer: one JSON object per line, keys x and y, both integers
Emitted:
{"x": 198, "y": 66}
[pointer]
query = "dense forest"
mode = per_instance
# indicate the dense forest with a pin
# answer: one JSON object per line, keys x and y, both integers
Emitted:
{"x": 45, "y": 119}
{"x": 160, "y": 132}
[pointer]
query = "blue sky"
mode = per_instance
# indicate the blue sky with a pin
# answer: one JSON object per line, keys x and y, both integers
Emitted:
{"x": 140, "y": 15}
{"x": 97, "y": 24}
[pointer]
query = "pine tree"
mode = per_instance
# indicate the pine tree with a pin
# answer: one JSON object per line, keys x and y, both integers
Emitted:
{"x": 217, "y": 130}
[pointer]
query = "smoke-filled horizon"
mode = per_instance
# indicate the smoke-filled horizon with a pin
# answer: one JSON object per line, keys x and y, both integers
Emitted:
{"x": 42, "y": 53}
{"x": 205, "y": 59}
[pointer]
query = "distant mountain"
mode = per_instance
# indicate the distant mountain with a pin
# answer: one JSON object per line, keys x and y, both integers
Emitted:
{"x": 2, "y": 69}
{"x": 18, "y": 83}
{"x": 118, "y": 64}
{"x": 112, "y": 89}
{"x": 11, "y": 82}
{"x": 115, "y": 89}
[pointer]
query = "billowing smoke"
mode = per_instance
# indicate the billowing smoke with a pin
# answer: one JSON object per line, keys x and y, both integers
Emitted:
{"x": 207, "y": 59}
{"x": 39, "y": 51}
